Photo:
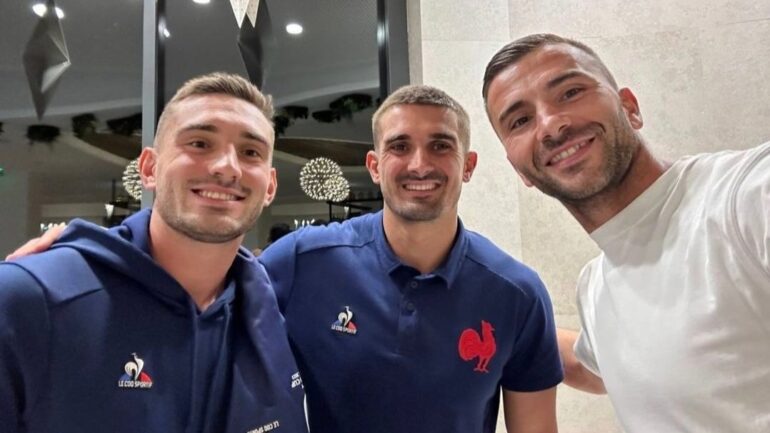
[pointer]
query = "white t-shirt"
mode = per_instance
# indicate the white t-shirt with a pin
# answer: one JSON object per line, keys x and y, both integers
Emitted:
{"x": 676, "y": 309}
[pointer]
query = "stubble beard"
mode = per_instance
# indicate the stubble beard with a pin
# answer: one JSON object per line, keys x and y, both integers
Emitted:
{"x": 196, "y": 226}
{"x": 617, "y": 154}
{"x": 417, "y": 211}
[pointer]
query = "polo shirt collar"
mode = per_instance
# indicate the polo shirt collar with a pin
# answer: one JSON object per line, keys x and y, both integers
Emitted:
{"x": 447, "y": 271}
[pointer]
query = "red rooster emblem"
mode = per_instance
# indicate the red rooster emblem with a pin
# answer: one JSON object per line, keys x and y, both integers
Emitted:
{"x": 473, "y": 345}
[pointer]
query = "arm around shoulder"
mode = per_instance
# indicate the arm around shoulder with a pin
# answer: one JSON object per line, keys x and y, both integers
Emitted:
{"x": 576, "y": 374}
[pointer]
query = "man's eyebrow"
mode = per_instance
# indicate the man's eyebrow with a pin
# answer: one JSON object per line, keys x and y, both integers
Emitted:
{"x": 554, "y": 82}
{"x": 511, "y": 109}
{"x": 395, "y": 138}
{"x": 563, "y": 77}
{"x": 443, "y": 136}
{"x": 208, "y": 127}
{"x": 254, "y": 136}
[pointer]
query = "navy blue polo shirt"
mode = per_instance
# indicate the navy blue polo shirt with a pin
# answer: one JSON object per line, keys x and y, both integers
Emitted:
{"x": 383, "y": 348}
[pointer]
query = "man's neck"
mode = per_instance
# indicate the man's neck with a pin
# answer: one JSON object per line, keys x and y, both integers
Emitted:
{"x": 199, "y": 267}
{"x": 421, "y": 245}
{"x": 643, "y": 172}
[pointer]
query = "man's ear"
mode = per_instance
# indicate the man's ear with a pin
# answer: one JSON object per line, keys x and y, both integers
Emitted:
{"x": 372, "y": 164}
{"x": 631, "y": 107}
{"x": 272, "y": 188}
{"x": 471, "y": 159}
{"x": 147, "y": 165}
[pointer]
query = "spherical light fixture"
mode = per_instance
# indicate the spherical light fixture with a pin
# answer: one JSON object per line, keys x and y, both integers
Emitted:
{"x": 132, "y": 182}
{"x": 322, "y": 179}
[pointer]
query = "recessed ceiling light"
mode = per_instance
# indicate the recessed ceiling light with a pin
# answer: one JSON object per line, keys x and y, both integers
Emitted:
{"x": 202, "y": 2}
{"x": 293, "y": 29}
{"x": 166, "y": 33}
{"x": 40, "y": 9}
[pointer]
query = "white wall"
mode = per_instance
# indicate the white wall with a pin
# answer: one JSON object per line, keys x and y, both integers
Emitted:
{"x": 699, "y": 69}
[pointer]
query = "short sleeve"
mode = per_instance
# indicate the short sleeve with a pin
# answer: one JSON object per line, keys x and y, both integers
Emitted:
{"x": 535, "y": 364}
{"x": 584, "y": 347}
{"x": 751, "y": 207}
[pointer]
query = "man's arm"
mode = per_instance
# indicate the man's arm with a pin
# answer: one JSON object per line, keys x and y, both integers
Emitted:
{"x": 24, "y": 330}
{"x": 530, "y": 412}
{"x": 575, "y": 374}
{"x": 38, "y": 245}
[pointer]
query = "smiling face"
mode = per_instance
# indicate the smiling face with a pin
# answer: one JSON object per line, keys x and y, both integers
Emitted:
{"x": 211, "y": 169}
{"x": 419, "y": 162}
{"x": 565, "y": 128}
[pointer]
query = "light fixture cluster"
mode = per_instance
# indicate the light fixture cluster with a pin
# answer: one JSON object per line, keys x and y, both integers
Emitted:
{"x": 132, "y": 182}
{"x": 40, "y": 10}
{"x": 322, "y": 179}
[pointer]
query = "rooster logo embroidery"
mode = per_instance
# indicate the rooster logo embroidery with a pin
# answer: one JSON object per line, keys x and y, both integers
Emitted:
{"x": 345, "y": 323}
{"x": 472, "y": 345}
{"x": 134, "y": 377}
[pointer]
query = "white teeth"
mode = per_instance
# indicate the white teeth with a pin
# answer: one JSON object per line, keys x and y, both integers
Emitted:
{"x": 567, "y": 152}
{"x": 421, "y": 186}
{"x": 217, "y": 195}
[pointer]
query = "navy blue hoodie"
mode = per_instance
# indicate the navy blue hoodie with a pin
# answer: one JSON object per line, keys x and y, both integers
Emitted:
{"x": 96, "y": 337}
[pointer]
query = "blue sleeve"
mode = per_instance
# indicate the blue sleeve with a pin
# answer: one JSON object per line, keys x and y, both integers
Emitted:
{"x": 24, "y": 328}
{"x": 535, "y": 364}
{"x": 279, "y": 261}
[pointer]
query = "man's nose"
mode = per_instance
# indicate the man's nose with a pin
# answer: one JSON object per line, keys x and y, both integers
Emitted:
{"x": 225, "y": 165}
{"x": 419, "y": 162}
{"x": 551, "y": 124}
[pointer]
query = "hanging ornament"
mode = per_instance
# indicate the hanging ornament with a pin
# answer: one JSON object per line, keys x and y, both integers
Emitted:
{"x": 322, "y": 179}
{"x": 132, "y": 182}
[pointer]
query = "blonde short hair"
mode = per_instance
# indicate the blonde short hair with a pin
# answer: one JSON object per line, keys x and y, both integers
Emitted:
{"x": 220, "y": 83}
{"x": 424, "y": 95}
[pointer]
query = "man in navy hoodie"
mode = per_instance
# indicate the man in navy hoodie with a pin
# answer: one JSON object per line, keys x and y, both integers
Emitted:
{"x": 162, "y": 324}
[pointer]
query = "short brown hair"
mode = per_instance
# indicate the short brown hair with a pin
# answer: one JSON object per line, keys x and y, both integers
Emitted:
{"x": 514, "y": 51}
{"x": 220, "y": 83}
{"x": 424, "y": 95}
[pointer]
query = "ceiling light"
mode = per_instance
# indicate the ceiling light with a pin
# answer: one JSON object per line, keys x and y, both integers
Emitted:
{"x": 202, "y": 2}
{"x": 293, "y": 29}
{"x": 40, "y": 9}
{"x": 166, "y": 33}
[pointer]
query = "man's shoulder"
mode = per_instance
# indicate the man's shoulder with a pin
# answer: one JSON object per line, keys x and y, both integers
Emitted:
{"x": 494, "y": 260}
{"x": 724, "y": 162}
{"x": 23, "y": 303}
{"x": 354, "y": 232}
{"x": 17, "y": 286}
{"x": 59, "y": 274}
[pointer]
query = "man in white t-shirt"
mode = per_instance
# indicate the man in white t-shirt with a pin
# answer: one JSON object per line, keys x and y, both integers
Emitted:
{"x": 675, "y": 311}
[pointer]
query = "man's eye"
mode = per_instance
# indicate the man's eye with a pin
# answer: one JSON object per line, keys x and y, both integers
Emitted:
{"x": 518, "y": 123}
{"x": 198, "y": 144}
{"x": 571, "y": 93}
{"x": 251, "y": 153}
{"x": 397, "y": 147}
{"x": 442, "y": 145}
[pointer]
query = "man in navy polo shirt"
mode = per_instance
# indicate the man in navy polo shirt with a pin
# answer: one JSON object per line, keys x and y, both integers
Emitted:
{"x": 404, "y": 321}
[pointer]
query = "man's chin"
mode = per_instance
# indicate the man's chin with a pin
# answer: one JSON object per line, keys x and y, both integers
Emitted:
{"x": 211, "y": 230}
{"x": 571, "y": 192}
